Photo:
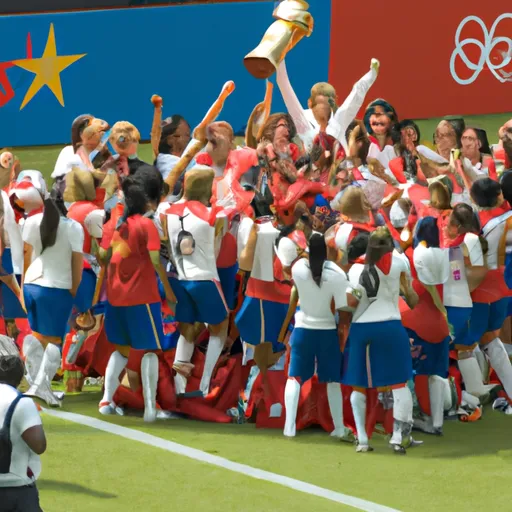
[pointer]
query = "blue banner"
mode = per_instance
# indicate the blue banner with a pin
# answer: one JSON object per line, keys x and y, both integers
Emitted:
{"x": 54, "y": 67}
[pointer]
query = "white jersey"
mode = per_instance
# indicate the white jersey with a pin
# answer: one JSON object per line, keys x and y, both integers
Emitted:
{"x": 13, "y": 231}
{"x": 315, "y": 301}
{"x": 432, "y": 265}
{"x": 384, "y": 306}
{"x": 52, "y": 268}
{"x": 22, "y": 458}
{"x": 201, "y": 264}
{"x": 493, "y": 232}
{"x": 263, "y": 262}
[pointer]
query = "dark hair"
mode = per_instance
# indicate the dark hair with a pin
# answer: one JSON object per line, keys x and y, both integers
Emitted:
{"x": 12, "y": 370}
{"x": 481, "y": 135}
{"x": 467, "y": 221}
{"x": 269, "y": 128}
{"x": 134, "y": 164}
{"x": 152, "y": 182}
{"x": 465, "y": 218}
{"x": 134, "y": 197}
{"x": 396, "y": 130}
{"x": 317, "y": 256}
{"x": 49, "y": 224}
{"x": 306, "y": 160}
{"x": 357, "y": 246}
{"x": 485, "y": 192}
{"x": 168, "y": 130}
{"x": 426, "y": 230}
{"x": 506, "y": 185}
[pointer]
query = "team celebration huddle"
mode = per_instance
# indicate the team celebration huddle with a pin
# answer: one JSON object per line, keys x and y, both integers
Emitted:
{"x": 330, "y": 269}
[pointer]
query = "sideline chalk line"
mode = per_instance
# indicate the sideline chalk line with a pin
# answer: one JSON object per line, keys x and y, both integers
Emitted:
{"x": 192, "y": 453}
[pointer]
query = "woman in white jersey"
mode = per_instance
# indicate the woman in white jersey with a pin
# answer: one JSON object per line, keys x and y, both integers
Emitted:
{"x": 321, "y": 287}
{"x": 52, "y": 273}
{"x": 377, "y": 354}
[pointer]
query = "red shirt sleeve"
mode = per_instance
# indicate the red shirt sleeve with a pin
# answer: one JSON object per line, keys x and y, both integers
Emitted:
{"x": 108, "y": 233}
{"x": 153, "y": 242}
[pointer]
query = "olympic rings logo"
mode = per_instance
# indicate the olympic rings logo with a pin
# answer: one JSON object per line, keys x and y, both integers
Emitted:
{"x": 486, "y": 48}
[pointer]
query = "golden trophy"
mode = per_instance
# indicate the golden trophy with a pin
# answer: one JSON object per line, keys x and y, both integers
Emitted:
{"x": 293, "y": 22}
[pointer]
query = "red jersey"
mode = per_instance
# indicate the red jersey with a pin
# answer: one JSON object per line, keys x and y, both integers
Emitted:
{"x": 131, "y": 277}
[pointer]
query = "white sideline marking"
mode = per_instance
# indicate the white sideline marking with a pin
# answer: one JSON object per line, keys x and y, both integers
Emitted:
{"x": 201, "y": 456}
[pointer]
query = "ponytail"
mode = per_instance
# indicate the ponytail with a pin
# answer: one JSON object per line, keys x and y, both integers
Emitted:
{"x": 135, "y": 198}
{"x": 317, "y": 256}
{"x": 49, "y": 224}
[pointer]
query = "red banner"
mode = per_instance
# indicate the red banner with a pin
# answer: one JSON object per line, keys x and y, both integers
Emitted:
{"x": 437, "y": 58}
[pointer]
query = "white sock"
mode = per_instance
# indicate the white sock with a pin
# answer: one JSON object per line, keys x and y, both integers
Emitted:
{"x": 149, "y": 377}
{"x": 33, "y": 352}
{"x": 482, "y": 363}
{"x": 49, "y": 365}
{"x": 335, "y": 399}
{"x": 184, "y": 353}
{"x": 500, "y": 361}
{"x": 214, "y": 350}
{"x": 291, "y": 403}
{"x": 358, "y": 401}
{"x": 402, "y": 405}
{"x": 116, "y": 364}
{"x": 472, "y": 376}
{"x": 436, "y": 387}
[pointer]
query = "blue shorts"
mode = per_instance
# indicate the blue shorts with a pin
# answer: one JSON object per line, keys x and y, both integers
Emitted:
{"x": 459, "y": 320}
{"x": 227, "y": 278}
{"x": 7, "y": 269}
{"x": 85, "y": 292}
{"x": 10, "y": 306}
{"x": 260, "y": 321}
{"x": 48, "y": 309}
{"x": 139, "y": 327}
{"x": 310, "y": 346}
{"x": 430, "y": 358}
{"x": 199, "y": 301}
{"x": 487, "y": 318}
{"x": 377, "y": 354}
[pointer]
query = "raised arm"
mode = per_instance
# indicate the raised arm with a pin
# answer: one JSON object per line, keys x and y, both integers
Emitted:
{"x": 293, "y": 105}
{"x": 347, "y": 112}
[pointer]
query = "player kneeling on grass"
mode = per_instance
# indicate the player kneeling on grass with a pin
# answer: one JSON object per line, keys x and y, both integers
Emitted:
{"x": 133, "y": 316}
{"x": 22, "y": 438}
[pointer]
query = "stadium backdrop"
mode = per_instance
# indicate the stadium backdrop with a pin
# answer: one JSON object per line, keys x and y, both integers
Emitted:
{"x": 108, "y": 57}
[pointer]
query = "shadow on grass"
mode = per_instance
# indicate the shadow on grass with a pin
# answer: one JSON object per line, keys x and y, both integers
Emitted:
{"x": 55, "y": 485}
{"x": 489, "y": 436}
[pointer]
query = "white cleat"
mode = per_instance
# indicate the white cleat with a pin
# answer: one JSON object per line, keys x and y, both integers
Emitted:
{"x": 363, "y": 448}
{"x": 502, "y": 405}
{"x": 345, "y": 435}
{"x": 166, "y": 415}
{"x": 44, "y": 392}
{"x": 110, "y": 409}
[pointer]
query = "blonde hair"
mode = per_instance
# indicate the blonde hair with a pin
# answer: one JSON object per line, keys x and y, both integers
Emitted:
{"x": 124, "y": 134}
{"x": 354, "y": 204}
{"x": 225, "y": 128}
{"x": 322, "y": 89}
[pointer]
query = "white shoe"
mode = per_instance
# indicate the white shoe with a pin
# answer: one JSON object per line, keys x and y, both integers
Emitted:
{"x": 166, "y": 415}
{"x": 44, "y": 392}
{"x": 502, "y": 405}
{"x": 110, "y": 409}
{"x": 345, "y": 435}
{"x": 363, "y": 448}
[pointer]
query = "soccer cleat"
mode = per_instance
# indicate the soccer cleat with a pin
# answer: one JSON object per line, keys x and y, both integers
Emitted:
{"x": 345, "y": 435}
{"x": 363, "y": 448}
{"x": 502, "y": 405}
{"x": 110, "y": 409}
{"x": 44, "y": 393}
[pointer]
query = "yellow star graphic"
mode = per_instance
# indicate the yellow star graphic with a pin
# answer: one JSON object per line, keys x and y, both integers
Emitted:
{"x": 119, "y": 246}
{"x": 47, "y": 70}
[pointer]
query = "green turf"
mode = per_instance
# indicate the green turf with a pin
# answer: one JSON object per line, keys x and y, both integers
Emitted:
{"x": 43, "y": 158}
{"x": 461, "y": 471}
{"x": 88, "y": 470}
